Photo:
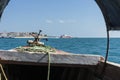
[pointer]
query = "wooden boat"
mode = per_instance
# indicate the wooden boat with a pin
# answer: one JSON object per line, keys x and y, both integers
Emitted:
{"x": 62, "y": 66}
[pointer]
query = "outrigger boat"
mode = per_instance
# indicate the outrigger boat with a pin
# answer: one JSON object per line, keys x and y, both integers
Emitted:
{"x": 49, "y": 65}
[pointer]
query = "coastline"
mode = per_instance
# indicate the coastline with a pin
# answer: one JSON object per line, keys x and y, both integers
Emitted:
{"x": 23, "y": 37}
{"x": 29, "y": 37}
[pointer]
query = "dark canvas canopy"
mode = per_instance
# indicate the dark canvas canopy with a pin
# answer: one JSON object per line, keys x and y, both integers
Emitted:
{"x": 3, "y": 4}
{"x": 111, "y": 13}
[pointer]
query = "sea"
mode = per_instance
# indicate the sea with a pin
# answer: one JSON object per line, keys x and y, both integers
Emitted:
{"x": 96, "y": 46}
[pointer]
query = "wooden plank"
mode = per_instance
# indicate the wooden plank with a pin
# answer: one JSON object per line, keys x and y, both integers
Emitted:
{"x": 9, "y": 57}
{"x": 65, "y": 73}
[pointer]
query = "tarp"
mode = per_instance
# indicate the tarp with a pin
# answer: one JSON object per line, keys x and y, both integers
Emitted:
{"x": 111, "y": 13}
{"x": 3, "y": 4}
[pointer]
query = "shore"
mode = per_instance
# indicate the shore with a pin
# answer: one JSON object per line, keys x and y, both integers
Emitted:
{"x": 29, "y": 37}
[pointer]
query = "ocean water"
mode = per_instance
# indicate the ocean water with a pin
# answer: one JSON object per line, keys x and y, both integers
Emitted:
{"x": 96, "y": 46}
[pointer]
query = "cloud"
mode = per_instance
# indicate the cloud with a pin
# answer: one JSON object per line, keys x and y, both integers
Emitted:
{"x": 67, "y": 21}
{"x": 61, "y": 21}
{"x": 49, "y": 21}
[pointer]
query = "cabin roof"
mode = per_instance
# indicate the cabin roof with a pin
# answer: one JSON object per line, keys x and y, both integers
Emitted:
{"x": 111, "y": 13}
{"x": 3, "y": 4}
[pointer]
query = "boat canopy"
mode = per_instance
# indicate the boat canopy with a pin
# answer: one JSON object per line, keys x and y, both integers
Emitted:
{"x": 111, "y": 13}
{"x": 3, "y": 4}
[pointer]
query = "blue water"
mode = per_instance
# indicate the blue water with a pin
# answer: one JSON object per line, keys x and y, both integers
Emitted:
{"x": 95, "y": 46}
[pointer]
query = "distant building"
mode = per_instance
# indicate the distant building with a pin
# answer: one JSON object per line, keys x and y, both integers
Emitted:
{"x": 18, "y": 34}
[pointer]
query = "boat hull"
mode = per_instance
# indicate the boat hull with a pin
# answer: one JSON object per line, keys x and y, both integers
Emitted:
{"x": 24, "y": 66}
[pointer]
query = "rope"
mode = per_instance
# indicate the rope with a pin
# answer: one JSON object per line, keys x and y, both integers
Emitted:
{"x": 3, "y": 72}
{"x": 48, "y": 74}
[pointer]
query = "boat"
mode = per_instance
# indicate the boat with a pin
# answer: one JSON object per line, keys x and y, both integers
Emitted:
{"x": 65, "y": 36}
{"x": 19, "y": 65}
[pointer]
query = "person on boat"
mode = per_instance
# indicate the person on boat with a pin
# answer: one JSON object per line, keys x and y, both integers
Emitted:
{"x": 36, "y": 37}
{"x": 36, "y": 41}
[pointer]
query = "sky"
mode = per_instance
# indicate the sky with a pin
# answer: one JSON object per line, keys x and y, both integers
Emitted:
{"x": 78, "y": 18}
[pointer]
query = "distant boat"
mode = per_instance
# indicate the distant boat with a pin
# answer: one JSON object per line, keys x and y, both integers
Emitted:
{"x": 65, "y": 36}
